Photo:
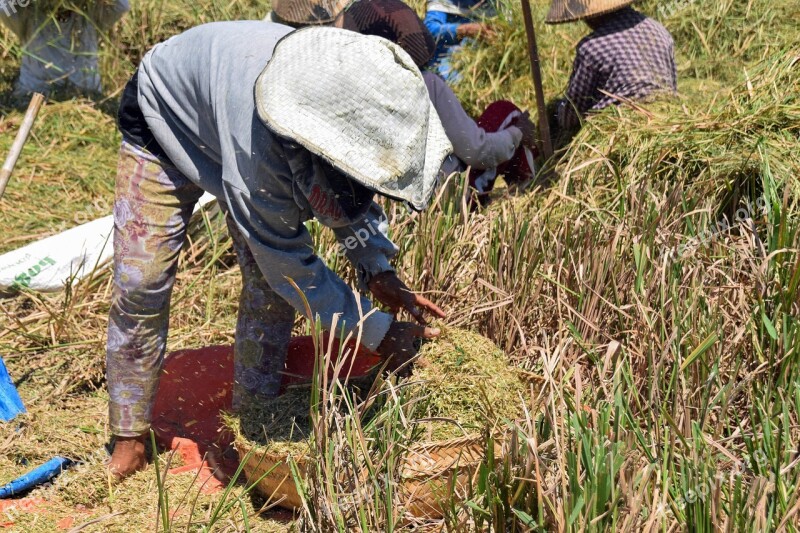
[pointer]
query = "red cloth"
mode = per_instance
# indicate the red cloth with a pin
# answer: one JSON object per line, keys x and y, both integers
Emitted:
{"x": 518, "y": 169}
{"x": 195, "y": 387}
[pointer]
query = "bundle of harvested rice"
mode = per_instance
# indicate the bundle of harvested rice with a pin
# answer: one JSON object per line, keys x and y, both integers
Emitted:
{"x": 463, "y": 382}
{"x": 460, "y": 384}
{"x": 280, "y": 425}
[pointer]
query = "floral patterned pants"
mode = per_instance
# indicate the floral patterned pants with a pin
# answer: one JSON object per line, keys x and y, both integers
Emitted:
{"x": 152, "y": 207}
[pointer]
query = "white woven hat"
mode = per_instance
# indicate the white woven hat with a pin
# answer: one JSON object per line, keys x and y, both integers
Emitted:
{"x": 359, "y": 102}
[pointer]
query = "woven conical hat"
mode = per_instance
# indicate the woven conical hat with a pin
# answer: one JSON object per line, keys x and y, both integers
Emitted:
{"x": 360, "y": 103}
{"x": 309, "y": 12}
{"x": 572, "y": 10}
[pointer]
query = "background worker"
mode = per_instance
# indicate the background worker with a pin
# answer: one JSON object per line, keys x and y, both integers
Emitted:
{"x": 60, "y": 45}
{"x": 301, "y": 13}
{"x": 281, "y": 127}
{"x": 452, "y": 23}
{"x": 502, "y": 139}
{"x": 628, "y": 56}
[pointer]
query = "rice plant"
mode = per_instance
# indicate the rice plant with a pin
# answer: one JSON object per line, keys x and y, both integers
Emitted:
{"x": 649, "y": 294}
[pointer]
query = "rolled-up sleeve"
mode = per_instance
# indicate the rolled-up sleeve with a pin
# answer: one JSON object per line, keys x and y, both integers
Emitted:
{"x": 366, "y": 244}
{"x": 443, "y": 31}
{"x": 270, "y": 221}
{"x": 471, "y": 144}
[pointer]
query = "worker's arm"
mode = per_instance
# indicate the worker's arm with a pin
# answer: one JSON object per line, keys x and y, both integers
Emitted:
{"x": 471, "y": 144}
{"x": 582, "y": 93}
{"x": 366, "y": 244}
{"x": 271, "y": 222}
{"x": 442, "y": 31}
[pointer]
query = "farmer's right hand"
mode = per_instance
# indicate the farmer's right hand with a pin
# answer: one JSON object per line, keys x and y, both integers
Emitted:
{"x": 475, "y": 29}
{"x": 399, "y": 346}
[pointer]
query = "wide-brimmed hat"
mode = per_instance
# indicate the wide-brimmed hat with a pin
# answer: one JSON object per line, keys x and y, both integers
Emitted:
{"x": 360, "y": 103}
{"x": 307, "y": 12}
{"x": 572, "y": 10}
{"x": 393, "y": 20}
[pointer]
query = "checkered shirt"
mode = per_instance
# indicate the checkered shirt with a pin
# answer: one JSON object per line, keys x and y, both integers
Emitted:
{"x": 629, "y": 55}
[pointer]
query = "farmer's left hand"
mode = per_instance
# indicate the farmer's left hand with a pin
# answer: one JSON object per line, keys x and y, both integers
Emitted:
{"x": 393, "y": 293}
{"x": 524, "y": 123}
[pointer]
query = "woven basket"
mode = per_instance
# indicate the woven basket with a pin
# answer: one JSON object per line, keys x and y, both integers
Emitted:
{"x": 431, "y": 473}
{"x": 277, "y": 485}
{"x": 440, "y": 471}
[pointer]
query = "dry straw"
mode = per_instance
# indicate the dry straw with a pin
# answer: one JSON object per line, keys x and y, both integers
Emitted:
{"x": 461, "y": 387}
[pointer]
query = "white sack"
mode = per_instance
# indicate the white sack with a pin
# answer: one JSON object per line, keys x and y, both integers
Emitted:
{"x": 49, "y": 264}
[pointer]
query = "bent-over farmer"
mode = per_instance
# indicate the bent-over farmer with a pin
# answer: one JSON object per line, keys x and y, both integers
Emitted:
{"x": 500, "y": 142}
{"x": 60, "y": 44}
{"x": 281, "y": 127}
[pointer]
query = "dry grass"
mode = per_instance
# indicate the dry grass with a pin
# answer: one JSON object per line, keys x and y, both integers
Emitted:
{"x": 670, "y": 391}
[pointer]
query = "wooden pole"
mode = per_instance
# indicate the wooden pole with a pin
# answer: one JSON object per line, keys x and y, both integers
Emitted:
{"x": 19, "y": 141}
{"x": 546, "y": 144}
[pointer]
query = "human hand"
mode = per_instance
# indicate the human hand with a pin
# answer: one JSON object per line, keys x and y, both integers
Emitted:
{"x": 526, "y": 126}
{"x": 399, "y": 345}
{"x": 387, "y": 288}
{"x": 477, "y": 30}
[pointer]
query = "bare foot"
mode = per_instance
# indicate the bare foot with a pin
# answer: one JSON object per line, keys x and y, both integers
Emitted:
{"x": 128, "y": 457}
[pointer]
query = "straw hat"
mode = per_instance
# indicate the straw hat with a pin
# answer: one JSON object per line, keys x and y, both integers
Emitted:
{"x": 572, "y": 10}
{"x": 305, "y": 12}
{"x": 393, "y": 20}
{"x": 360, "y": 103}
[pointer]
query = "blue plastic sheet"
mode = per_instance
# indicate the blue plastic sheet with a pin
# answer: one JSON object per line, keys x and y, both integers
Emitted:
{"x": 10, "y": 402}
{"x": 35, "y": 477}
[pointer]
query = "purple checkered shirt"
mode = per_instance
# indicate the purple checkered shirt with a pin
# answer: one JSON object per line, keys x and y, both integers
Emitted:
{"x": 629, "y": 55}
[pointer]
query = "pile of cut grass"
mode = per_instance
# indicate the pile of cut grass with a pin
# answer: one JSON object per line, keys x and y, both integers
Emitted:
{"x": 280, "y": 425}
{"x": 461, "y": 384}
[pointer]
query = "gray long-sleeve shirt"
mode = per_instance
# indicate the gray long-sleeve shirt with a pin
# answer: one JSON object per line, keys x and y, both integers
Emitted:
{"x": 196, "y": 92}
{"x": 471, "y": 144}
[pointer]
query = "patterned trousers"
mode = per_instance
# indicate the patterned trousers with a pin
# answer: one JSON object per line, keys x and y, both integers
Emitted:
{"x": 152, "y": 207}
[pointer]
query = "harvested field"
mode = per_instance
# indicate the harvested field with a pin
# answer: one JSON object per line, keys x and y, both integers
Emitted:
{"x": 650, "y": 292}
{"x": 460, "y": 385}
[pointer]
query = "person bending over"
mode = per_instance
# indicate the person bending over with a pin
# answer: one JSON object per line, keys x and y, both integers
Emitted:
{"x": 499, "y": 143}
{"x": 60, "y": 45}
{"x": 452, "y": 23}
{"x": 281, "y": 127}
